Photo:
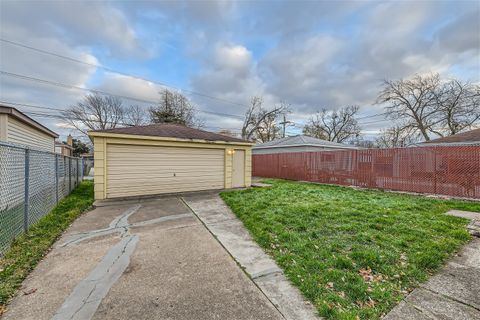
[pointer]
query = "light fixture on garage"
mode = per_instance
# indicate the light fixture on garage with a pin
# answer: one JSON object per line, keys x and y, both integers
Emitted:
{"x": 231, "y": 151}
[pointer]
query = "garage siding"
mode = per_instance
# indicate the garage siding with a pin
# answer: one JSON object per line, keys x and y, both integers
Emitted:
{"x": 20, "y": 133}
{"x": 135, "y": 170}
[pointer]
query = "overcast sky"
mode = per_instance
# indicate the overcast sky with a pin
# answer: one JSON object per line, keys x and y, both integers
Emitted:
{"x": 312, "y": 55}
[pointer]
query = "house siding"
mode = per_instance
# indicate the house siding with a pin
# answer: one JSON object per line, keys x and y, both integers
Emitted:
{"x": 20, "y": 133}
{"x": 3, "y": 127}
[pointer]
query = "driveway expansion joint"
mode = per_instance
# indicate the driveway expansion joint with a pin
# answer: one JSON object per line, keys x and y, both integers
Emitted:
{"x": 259, "y": 267}
{"x": 109, "y": 269}
{"x": 266, "y": 273}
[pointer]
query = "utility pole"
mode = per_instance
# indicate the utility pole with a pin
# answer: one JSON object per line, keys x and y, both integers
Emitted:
{"x": 284, "y": 124}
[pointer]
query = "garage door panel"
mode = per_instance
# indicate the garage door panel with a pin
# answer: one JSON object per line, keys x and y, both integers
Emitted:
{"x": 160, "y": 163}
{"x": 128, "y": 192}
{"x": 140, "y": 150}
{"x": 155, "y": 189}
{"x": 141, "y": 170}
{"x": 155, "y": 175}
{"x": 155, "y": 181}
{"x": 121, "y": 157}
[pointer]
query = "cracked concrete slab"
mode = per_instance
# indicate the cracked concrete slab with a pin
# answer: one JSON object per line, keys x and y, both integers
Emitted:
{"x": 84, "y": 300}
{"x": 263, "y": 270}
{"x": 458, "y": 282}
{"x": 452, "y": 293}
{"x": 118, "y": 224}
{"x": 140, "y": 260}
{"x": 55, "y": 277}
{"x": 406, "y": 311}
{"x": 441, "y": 307}
{"x": 190, "y": 276}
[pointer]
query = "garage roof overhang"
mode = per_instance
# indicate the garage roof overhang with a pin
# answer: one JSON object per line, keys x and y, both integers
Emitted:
{"x": 158, "y": 138}
{"x": 20, "y": 116}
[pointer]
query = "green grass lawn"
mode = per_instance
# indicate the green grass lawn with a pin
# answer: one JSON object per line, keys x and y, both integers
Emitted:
{"x": 27, "y": 250}
{"x": 353, "y": 253}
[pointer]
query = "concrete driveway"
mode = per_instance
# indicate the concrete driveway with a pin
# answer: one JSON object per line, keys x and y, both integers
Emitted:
{"x": 148, "y": 259}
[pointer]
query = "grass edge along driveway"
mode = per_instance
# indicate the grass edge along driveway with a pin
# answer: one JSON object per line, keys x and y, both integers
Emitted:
{"x": 353, "y": 253}
{"x": 28, "y": 249}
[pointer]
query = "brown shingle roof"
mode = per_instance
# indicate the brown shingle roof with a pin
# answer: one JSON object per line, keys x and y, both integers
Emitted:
{"x": 172, "y": 131}
{"x": 464, "y": 137}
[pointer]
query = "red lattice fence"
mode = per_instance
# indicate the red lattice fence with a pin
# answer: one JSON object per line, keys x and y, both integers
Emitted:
{"x": 453, "y": 171}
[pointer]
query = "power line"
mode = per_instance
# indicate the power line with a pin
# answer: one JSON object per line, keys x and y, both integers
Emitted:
{"x": 14, "y": 43}
{"x": 373, "y": 115}
{"x": 371, "y": 122}
{"x": 118, "y": 72}
{"x": 57, "y": 116}
{"x": 70, "y": 86}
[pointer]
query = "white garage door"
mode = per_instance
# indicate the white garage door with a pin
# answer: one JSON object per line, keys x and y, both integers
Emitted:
{"x": 142, "y": 170}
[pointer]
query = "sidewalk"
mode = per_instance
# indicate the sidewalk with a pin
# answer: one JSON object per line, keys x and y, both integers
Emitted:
{"x": 454, "y": 292}
{"x": 262, "y": 270}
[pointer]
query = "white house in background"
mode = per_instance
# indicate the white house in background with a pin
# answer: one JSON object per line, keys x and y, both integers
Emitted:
{"x": 18, "y": 128}
{"x": 298, "y": 144}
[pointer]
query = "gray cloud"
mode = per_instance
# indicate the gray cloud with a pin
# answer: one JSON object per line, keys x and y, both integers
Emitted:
{"x": 310, "y": 54}
{"x": 75, "y": 23}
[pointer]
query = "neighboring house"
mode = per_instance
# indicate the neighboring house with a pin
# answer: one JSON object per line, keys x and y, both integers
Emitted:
{"x": 65, "y": 149}
{"x": 298, "y": 144}
{"x": 167, "y": 158}
{"x": 471, "y": 137}
{"x": 18, "y": 128}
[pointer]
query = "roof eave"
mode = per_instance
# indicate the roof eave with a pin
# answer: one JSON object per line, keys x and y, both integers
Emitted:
{"x": 158, "y": 138}
{"x": 304, "y": 145}
{"x": 26, "y": 119}
{"x": 440, "y": 144}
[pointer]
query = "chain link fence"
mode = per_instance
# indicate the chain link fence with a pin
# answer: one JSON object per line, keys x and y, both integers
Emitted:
{"x": 443, "y": 170}
{"x": 31, "y": 184}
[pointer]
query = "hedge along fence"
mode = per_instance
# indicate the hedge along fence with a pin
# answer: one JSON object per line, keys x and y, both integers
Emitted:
{"x": 453, "y": 171}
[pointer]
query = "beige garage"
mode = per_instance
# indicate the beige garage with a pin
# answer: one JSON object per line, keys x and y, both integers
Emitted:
{"x": 167, "y": 158}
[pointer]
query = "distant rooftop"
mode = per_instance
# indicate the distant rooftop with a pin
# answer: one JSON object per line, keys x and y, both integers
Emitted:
{"x": 169, "y": 130}
{"x": 468, "y": 137}
{"x": 300, "y": 140}
{"x": 15, "y": 113}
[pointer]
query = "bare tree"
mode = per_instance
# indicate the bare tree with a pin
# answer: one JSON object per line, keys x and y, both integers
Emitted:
{"x": 458, "y": 106}
{"x": 413, "y": 101}
{"x": 174, "y": 107}
{"x": 95, "y": 112}
{"x": 136, "y": 116}
{"x": 337, "y": 126}
{"x": 260, "y": 123}
{"x": 397, "y": 136}
{"x": 228, "y": 132}
{"x": 268, "y": 129}
{"x": 361, "y": 142}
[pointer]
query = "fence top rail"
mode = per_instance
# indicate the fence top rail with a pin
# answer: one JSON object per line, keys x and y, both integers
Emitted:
{"x": 431, "y": 148}
{"x": 16, "y": 146}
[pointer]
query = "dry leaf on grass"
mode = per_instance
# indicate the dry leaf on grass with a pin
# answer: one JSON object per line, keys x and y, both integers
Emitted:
{"x": 366, "y": 274}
